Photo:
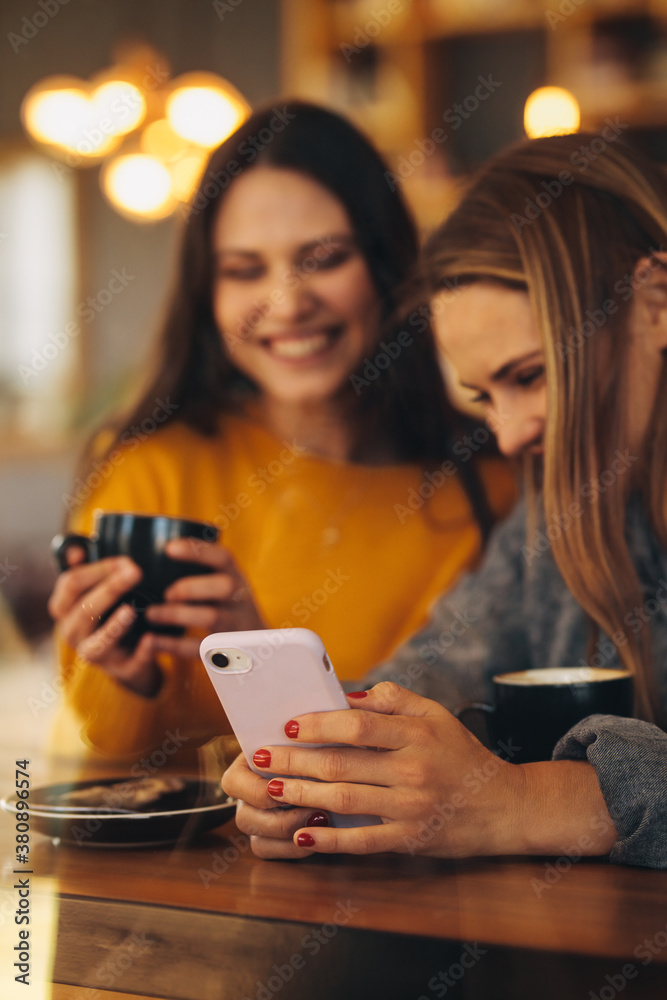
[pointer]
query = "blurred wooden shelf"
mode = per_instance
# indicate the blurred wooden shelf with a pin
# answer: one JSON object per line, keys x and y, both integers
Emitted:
{"x": 455, "y": 17}
{"x": 396, "y": 67}
{"x": 643, "y": 102}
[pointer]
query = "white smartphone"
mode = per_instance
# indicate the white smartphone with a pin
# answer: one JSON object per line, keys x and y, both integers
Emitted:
{"x": 266, "y": 677}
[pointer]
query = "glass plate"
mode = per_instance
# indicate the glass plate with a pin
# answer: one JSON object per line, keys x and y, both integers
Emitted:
{"x": 174, "y": 816}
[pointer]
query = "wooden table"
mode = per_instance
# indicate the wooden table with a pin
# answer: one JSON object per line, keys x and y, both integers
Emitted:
{"x": 211, "y": 922}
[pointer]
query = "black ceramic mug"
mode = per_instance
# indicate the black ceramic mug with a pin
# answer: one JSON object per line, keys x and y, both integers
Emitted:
{"x": 143, "y": 538}
{"x": 534, "y": 708}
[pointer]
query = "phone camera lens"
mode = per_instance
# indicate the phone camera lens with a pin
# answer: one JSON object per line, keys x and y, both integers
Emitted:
{"x": 220, "y": 660}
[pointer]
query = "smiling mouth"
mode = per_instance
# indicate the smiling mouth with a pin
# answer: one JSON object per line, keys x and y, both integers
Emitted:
{"x": 295, "y": 348}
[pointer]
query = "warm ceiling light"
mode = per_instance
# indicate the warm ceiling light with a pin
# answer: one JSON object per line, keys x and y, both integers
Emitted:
{"x": 121, "y": 104}
{"x": 551, "y": 111}
{"x": 59, "y": 113}
{"x": 152, "y": 135}
{"x": 159, "y": 140}
{"x": 186, "y": 173}
{"x": 205, "y": 109}
{"x": 138, "y": 186}
{"x": 54, "y": 114}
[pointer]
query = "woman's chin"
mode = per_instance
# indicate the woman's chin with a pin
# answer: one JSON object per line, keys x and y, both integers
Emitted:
{"x": 308, "y": 393}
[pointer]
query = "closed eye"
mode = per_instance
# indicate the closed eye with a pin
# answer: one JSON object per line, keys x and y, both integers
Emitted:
{"x": 530, "y": 375}
{"x": 525, "y": 378}
{"x": 250, "y": 272}
{"x": 332, "y": 260}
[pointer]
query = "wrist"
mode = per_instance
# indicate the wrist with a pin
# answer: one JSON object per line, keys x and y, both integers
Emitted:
{"x": 506, "y": 829}
{"x": 561, "y": 807}
{"x": 146, "y": 682}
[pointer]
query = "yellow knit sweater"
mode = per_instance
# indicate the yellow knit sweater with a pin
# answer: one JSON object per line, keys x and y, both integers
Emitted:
{"x": 356, "y": 553}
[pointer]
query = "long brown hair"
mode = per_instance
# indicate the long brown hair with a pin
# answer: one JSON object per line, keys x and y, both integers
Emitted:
{"x": 192, "y": 369}
{"x": 570, "y": 229}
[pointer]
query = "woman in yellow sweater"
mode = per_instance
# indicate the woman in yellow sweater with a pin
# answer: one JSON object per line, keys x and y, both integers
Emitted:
{"x": 293, "y": 407}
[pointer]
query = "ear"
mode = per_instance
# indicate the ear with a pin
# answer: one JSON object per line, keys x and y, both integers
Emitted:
{"x": 649, "y": 282}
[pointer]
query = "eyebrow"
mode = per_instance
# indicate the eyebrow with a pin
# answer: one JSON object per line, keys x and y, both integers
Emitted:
{"x": 506, "y": 369}
{"x": 339, "y": 239}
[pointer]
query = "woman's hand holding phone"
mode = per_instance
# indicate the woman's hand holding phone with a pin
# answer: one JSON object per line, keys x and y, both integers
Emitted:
{"x": 271, "y": 830}
{"x": 415, "y": 785}
{"x": 261, "y": 678}
{"x": 439, "y": 791}
{"x": 434, "y": 789}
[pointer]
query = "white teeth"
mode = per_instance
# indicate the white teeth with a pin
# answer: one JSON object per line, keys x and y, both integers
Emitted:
{"x": 299, "y": 348}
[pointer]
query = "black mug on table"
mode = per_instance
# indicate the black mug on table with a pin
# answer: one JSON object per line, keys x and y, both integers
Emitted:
{"x": 534, "y": 708}
{"x": 143, "y": 538}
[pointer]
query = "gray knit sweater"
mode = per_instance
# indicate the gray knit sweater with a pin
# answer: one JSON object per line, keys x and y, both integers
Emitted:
{"x": 516, "y": 613}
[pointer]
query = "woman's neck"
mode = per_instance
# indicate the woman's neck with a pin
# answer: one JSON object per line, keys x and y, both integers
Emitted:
{"x": 330, "y": 430}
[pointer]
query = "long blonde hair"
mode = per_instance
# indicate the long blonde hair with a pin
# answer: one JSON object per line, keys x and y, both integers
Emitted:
{"x": 568, "y": 218}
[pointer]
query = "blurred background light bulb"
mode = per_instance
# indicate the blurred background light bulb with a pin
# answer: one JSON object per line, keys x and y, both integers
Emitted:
{"x": 139, "y": 185}
{"x": 120, "y": 103}
{"x": 64, "y": 116}
{"x": 186, "y": 173}
{"x": 551, "y": 111}
{"x": 56, "y": 116}
{"x": 205, "y": 110}
{"x": 159, "y": 139}
{"x": 146, "y": 174}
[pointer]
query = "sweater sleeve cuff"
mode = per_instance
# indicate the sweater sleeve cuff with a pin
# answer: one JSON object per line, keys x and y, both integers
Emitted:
{"x": 116, "y": 721}
{"x": 630, "y": 760}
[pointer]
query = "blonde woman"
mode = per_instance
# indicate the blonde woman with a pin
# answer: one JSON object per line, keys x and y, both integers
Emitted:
{"x": 560, "y": 330}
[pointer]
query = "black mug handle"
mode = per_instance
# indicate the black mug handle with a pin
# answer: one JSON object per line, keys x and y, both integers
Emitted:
{"x": 61, "y": 543}
{"x": 484, "y": 710}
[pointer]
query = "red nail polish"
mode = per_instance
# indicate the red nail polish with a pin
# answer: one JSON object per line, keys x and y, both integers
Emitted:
{"x": 262, "y": 758}
{"x": 305, "y": 840}
{"x": 318, "y": 819}
{"x": 275, "y": 787}
{"x": 292, "y": 730}
{"x": 357, "y": 694}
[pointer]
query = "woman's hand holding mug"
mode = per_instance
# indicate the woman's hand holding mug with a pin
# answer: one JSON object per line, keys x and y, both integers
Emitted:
{"x": 220, "y": 601}
{"x": 82, "y": 598}
{"x": 108, "y": 601}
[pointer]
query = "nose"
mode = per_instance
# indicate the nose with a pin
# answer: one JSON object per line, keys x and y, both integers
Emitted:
{"x": 289, "y": 300}
{"x": 516, "y": 431}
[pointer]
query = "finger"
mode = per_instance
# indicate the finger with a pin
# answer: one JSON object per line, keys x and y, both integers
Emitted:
{"x": 339, "y": 797}
{"x": 392, "y": 699}
{"x": 270, "y": 848}
{"x": 75, "y": 555}
{"x": 84, "y": 618}
{"x": 139, "y": 670}
{"x": 356, "y": 728}
{"x": 183, "y": 649}
{"x": 74, "y": 583}
{"x": 210, "y": 587}
{"x": 280, "y": 824}
{"x": 97, "y": 646}
{"x": 195, "y": 550}
{"x": 358, "y": 840}
{"x": 331, "y": 764}
{"x": 243, "y": 784}
{"x": 188, "y": 615}
{"x": 110, "y": 591}
{"x": 224, "y": 620}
